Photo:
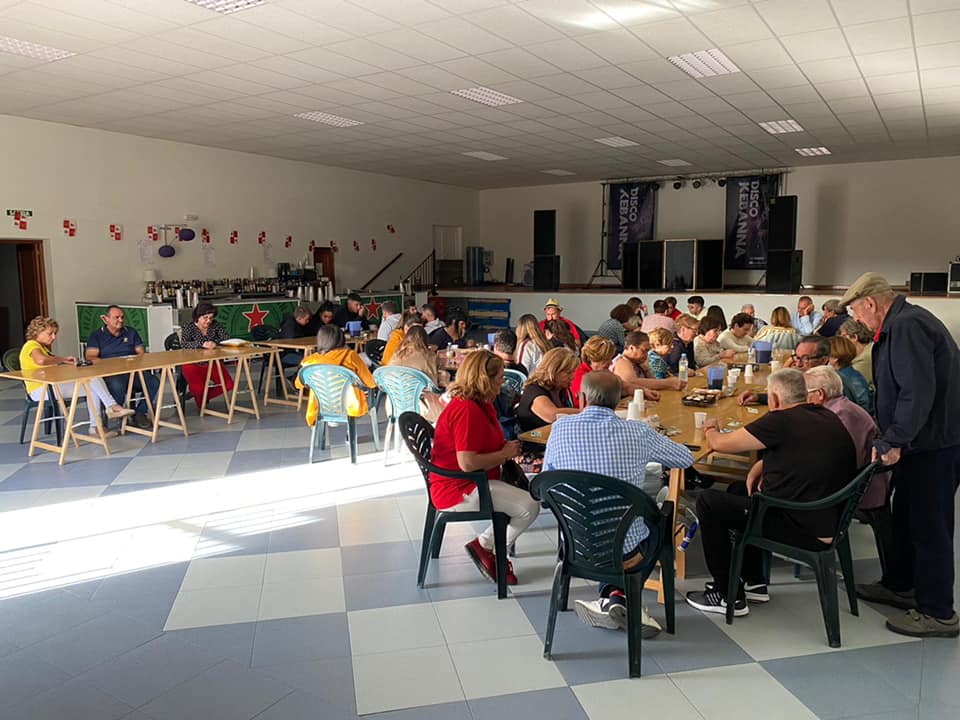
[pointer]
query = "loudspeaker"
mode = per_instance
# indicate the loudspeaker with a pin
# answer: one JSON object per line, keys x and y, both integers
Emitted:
{"x": 954, "y": 278}
{"x": 678, "y": 266}
{"x": 784, "y": 271}
{"x": 546, "y": 272}
{"x": 508, "y": 273}
{"x": 709, "y": 273}
{"x": 782, "y": 223}
{"x": 544, "y": 232}
{"x": 629, "y": 272}
{"x": 650, "y": 266}
{"x": 929, "y": 283}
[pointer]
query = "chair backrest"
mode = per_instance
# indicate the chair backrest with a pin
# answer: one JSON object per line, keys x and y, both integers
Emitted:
{"x": 515, "y": 379}
{"x": 403, "y": 386}
{"x": 171, "y": 342}
{"x": 264, "y": 332}
{"x": 330, "y": 384}
{"x": 11, "y": 359}
{"x": 374, "y": 350}
{"x": 417, "y": 433}
{"x": 851, "y": 496}
{"x": 594, "y": 513}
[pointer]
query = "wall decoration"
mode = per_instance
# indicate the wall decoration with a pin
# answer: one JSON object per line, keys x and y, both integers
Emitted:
{"x": 262, "y": 237}
{"x": 19, "y": 218}
{"x": 205, "y": 236}
{"x": 391, "y": 229}
{"x": 630, "y": 211}
{"x": 748, "y": 214}
{"x": 288, "y": 241}
{"x": 153, "y": 232}
{"x": 333, "y": 246}
{"x": 311, "y": 245}
{"x": 116, "y": 232}
{"x": 70, "y": 228}
{"x": 356, "y": 245}
{"x": 234, "y": 237}
{"x": 373, "y": 244}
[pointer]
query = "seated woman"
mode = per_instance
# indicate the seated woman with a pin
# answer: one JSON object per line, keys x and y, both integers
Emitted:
{"x": 468, "y": 438}
{"x": 396, "y": 337}
{"x": 682, "y": 344}
{"x": 780, "y": 332}
{"x": 660, "y": 341}
{"x": 855, "y": 386}
{"x": 862, "y": 339}
{"x": 332, "y": 350}
{"x": 36, "y": 353}
{"x": 546, "y": 393}
{"x": 415, "y": 352}
{"x": 705, "y": 346}
{"x": 559, "y": 335}
{"x": 635, "y": 373}
{"x": 623, "y": 318}
{"x": 204, "y": 333}
{"x": 596, "y": 354}
{"x": 531, "y": 343}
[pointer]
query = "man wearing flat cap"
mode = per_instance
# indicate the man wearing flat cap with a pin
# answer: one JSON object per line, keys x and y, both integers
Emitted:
{"x": 554, "y": 311}
{"x": 916, "y": 369}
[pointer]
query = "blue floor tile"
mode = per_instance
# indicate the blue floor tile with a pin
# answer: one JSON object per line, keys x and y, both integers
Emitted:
{"x": 198, "y": 443}
{"x": 250, "y": 461}
{"x": 301, "y": 705}
{"x": 220, "y": 541}
{"x": 456, "y": 578}
{"x": 364, "y": 592}
{"x": 321, "y": 530}
{"x": 23, "y": 676}
{"x": 33, "y": 618}
{"x": 234, "y": 642}
{"x": 446, "y": 711}
{"x": 379, "y": 558}
{"x": 329, "y": 681}
{"x": 556, "y": 704}
{"x": 46, "y": 475}
{"x": 298, "y": 639}
{"x": 74, "y": 700}
{"x": 941, "y": 670}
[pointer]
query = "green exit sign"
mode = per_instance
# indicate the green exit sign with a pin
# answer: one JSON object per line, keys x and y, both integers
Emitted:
{"x": 23, "y": 213}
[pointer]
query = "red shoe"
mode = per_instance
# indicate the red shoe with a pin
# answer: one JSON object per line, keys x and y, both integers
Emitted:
{"x": 485, "y": 560}
{"x": 511, "y": 578}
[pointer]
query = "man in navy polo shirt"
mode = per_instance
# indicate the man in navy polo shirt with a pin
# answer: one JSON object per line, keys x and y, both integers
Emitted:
{"x": 114, "y": 339}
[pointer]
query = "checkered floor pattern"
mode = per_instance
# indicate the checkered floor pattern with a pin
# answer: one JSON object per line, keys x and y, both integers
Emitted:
{"x": 220, "y": 576}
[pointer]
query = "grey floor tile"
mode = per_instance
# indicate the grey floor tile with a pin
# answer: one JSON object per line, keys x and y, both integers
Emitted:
{"x": 227, "y": 691}
{"x": 941, "y": 670}
{"x": 74, "y": 700}
{"x": 455, "y": 578}
{"x": 301, "y": 705}
{"x": 364, "y": 592}
{"x": 43, "y": 475}
{"x": 443, "y": 711}
{"x": 33, "y": 618}
{"x": 196, "y": 443}
{"x": 556, "y": 704}
{"x": 221, "y": 542}
{"x": 698, "y": 642}
{"x": 249, "y": 461}
{"x": 297, "y": 639}
{"x": 142, "y": 674}
{"x": 234, "y": 641}
{"x": 22, "y": 676}
{"x": 379, "y": 558}
{"x": 329, "y": 680}
{"x": 320, "y": 531}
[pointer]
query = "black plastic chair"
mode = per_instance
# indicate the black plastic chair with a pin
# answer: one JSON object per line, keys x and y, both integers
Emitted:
{"x": 172, "y": 342}
{"x": 594, "y": 513}
{"x": 261, "y": 333}
{"x": 823, "y": 562}
{"x": 418, "y": 435}
{"x": 11, "y": 362}
{"x": 374, "y": 350}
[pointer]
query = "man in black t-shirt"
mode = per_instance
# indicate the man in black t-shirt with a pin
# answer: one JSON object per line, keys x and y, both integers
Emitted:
{"x": 448, "y": 335}
{"x": 807, "y": 455}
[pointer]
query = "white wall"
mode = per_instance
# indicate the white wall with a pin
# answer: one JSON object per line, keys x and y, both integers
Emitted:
{"x": 892, "y": 217}
{"x": 97, "y": 178}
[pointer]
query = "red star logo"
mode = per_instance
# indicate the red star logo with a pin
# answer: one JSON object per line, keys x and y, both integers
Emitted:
{"x": 373, "y": 308}
{"x": 255, "y": 316}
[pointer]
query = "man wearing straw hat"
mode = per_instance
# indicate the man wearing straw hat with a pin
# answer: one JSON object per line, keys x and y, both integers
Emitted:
{"x": 554, "y": 311}
{"x": 916, "y": 369}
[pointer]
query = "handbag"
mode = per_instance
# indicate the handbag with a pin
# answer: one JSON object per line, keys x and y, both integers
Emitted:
{"x": 512, "y": 474}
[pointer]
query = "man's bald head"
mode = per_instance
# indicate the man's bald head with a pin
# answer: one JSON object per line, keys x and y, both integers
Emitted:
{"x": 600, "y": 388}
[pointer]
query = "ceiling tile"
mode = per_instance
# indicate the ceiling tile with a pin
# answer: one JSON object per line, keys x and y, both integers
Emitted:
{"x": 436, "y": 78}
{"x": 333, "y": 62}
{"x": 567, "y": 55}
{"x": 296, "y": 69}
{"x": 942, "y": 77}
{"x": 672, "y": 37}
{"x": 852, "y": 12}
{"x": 684, "y": 90}
{"x": 819, "y": 45}
{"x": 520, "y": 63}
{"x": 263, "y": 76}
{"x": 831, "y": 70}
{"x": 784, "y": 76}
{"x": 249, "y": 34}
{"x": 746, "y": 101}
{"x": 736, "y": 83}
{"x": 733, "y": 25}
{"x": 465, "y": 36}
{"x": 617, "y": 46}
{"x": 853, "y": 104}
{"x": 893, "y": 83}
{"x": 345, "y": 16}
{"x": 641, "y": 94}
{"x": 708, "y": 106}
{"x": 927, "y": 6}
{"x": 607, "y": 77}
{"x": 364, "y": 50}
{"x": 931, "y": 57}
{"x": 937, "y": 28}
{"x": 653, "y": 71}
{"x": 283, "y": 21}
{"x": 796, "y": 94}
{"x": 406, "y": 12}
{"x": 108, "y": 13}
{"x": 601, "y": 100}
{"x": 796, "y": 16}
{"x": 417, "y": 45}
{"x": 363, "y": 89}
{"x": 879, "y": 36}
{"x": 839, "y": 89}
{"x": 759, "y": 54}
{"x": 515, "y": 25}
{"x": 476, "y": 70}
{"x": 887, "y": 63}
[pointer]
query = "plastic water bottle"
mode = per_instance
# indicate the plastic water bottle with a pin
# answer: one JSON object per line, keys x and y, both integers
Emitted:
{"x": 752, "y": 355}
{"x": 683, "y": 367}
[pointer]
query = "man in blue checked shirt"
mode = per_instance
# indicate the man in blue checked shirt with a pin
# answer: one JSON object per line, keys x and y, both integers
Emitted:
{"x": 598, "y": 441}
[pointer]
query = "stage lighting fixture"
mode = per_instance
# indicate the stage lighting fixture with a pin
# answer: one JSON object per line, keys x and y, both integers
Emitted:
{"x": 677, "y": 184}
{"x": 722, "y": 182}
{"x": 697, "y": 184}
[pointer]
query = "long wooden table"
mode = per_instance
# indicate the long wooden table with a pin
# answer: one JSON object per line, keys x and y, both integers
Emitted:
{"x": 136, "y": 366}
{"x": 306, "y": 345}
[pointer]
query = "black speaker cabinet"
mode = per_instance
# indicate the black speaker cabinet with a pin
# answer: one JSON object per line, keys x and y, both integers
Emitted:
{"x": 650, "y": 266}
{"x": 929, "y": 283}
{"x": 783, "y": 223}
{"x": 784, "y": 271}
{"x": 709, "y": 266}
{"x": 678, "y": 265}
{"x": 508, "y": 272}
{"x": 544, "y": 232}
{"x": 546, "y": 272}
{"x": 629, "y": 272}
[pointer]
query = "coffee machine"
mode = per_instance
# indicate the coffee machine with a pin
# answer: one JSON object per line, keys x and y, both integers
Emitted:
{"x": 283, "y": 272}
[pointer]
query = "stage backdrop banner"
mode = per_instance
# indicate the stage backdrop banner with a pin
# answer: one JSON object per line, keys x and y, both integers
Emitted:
{"x": 630, "y": 209}
{"x": 748, "y": 214}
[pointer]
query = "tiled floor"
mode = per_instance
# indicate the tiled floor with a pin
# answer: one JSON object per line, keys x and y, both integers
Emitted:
{"x": 220, "y": 576}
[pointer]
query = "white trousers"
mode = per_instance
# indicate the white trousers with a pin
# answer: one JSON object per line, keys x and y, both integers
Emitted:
{"x": 101, "y": 396}
{"x": 513, "y": 501}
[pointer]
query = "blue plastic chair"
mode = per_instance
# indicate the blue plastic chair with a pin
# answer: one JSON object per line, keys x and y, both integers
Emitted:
{"x": 515, "y": 380}
{"x": 403, "y": 386}
{"x": 330, "y": 384}
{"x": 11, "y": 362}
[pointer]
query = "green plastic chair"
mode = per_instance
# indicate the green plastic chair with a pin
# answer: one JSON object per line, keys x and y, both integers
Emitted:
{"x": 514, "y": 379}
{"x": 330, "y": 384}
{"x": 403, "y": 386}
{"x": 594, "y": 513}
{"x": 418, "y": 435}
{"x": 823, "y": 563}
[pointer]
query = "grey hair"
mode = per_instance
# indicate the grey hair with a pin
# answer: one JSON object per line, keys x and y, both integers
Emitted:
{"x": 832, "y": 306}
{"x": 744, "y": 307}
{"x": 824, "y": 378}
{"x": 601, "y": 388}
{"x": 858, "y": 330}
{"x": 789, "y": 385}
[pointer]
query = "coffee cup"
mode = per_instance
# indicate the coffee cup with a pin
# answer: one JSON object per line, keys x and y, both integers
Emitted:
{"x": 699, "y": 418}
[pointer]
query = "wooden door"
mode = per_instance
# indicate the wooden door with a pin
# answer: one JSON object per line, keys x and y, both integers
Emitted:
{"x": 323, "y": 260}
{"x": 33, "y": 283}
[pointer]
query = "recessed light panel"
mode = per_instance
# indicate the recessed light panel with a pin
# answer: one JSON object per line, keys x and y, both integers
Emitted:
{"x": 778, "y": 127}
{"x": 481, "y": 155}
{"x": 616, "y": 141}
{"x": 674, "y": 163}
{"x": 486, "y": 96}
{"x": 557, "y": 172}
{"x": 227, "y": 6}
{"x": 32, "y": 50}
{"x": 704, "y": 63}
{"x": 812, "y": 151}
{"x": 328, "y": 119}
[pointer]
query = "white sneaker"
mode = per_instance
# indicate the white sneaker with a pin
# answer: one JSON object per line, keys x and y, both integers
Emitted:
{"x": 613, "y": 615}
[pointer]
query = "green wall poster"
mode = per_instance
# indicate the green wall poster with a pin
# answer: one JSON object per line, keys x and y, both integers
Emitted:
{"x": 240, "y": 319}
{"x": 373, "y": 303}
{"x": 88, "y": 320}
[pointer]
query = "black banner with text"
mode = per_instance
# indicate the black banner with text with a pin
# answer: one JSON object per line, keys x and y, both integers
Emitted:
{"x": 748, "y": 226}
{"x": 630, "y": 210}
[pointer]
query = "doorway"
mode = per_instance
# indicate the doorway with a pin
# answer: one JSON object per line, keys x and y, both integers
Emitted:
{"x": 23, "y": 288}
{"x": 323, "y": 261}
{"x": 448, "y": 242}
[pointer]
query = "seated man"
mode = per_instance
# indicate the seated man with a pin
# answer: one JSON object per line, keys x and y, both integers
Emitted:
{"x": 449, "y": 334}
{"x": 597, "y": 441}
{"x": 833, "y": 318}
{"x": 737, "y": 336}
{"x": 391, "y": 320}
{"x": 789, "y": 471}
{"x": 504, "y": 346}
{"x": 660, "y": 318}
{"x": 353, "y": 310}
{"x": 758, "y": 323}
{"x": 695, "y": 306}
{"x": 634, "y": 371}
{"x": 430, "y": 319}
{"x": 112, "y": 340}
{"x": 302, "y": 323}
{"x": 554, "y": 311}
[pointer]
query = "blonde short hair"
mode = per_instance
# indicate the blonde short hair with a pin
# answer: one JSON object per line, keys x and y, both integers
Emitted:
{"x": 598, "y": 349}
{"x": 688, "y": 321}
{"x": 554, "y": 363}
{"x": 476, "y": 377}
{"x": 660, "y": 336}
{"x": 780, "y": 317}
{"x": 38, "y": 325}
{"x": 843, "y": 350}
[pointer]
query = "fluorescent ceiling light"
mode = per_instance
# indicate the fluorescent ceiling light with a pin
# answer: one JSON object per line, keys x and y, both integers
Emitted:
{"x": 812, "y": 151}
{"x": 486, "y": 96}
{"x": 227, "y": 6}
{"x": 328, "y": 119}
{"x": 558, "y": 172}
{"x": 704, "y": 63}
{"x": 32, "y": 50}
{"x": 674, "y": 163}
{"x": 481, "y": 155}
{"x": 616, "y": 141}
{"x": 778, "y": 127}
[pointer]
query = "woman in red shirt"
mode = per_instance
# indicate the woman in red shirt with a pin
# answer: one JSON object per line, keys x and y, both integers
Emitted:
{"x": 597, "y": 354}
{"x": 468, "y": 437}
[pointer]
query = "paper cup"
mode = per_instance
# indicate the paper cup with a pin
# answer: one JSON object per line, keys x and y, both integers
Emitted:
{"x": 699, "y": 418}
{"x": 638, "y": 396}
{"x": 633, "y": 411}
{"x": 775, "y": 365}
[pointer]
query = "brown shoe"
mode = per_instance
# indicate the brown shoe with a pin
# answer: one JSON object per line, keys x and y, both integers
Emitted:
{"x": 916, "y": 624}
{"x": 878, "y": 593}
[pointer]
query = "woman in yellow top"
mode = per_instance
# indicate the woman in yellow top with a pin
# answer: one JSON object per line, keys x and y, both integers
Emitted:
{"x": 332, "y": 350}
{"x": 36, "y": 355}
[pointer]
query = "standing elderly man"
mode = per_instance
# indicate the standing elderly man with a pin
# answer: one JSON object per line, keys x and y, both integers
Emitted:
{"x": 807, "y": 318}
{"x": 115, "y": 339}
{"x": 553, "y": 310}
{"x": 916, "y": 368}
{"x": 597, "y": 441}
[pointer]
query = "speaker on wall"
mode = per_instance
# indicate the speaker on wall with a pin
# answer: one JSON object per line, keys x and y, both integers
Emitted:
{"x": 650, "y": 265}
{"x": 709, "y": 272}
{"x": 544, "y": 232}
{"x": 783, "y": 223}
{"x": 629, "y": 272}
{"x": 784, "y": 270}
{"x": 546, "y": 272}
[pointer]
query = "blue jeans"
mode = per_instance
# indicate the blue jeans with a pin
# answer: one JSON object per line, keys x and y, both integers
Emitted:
{"x": 117, "y": 385}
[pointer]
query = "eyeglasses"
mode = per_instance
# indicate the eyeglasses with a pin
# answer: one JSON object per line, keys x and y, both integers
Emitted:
{"x": 806, "y": 358}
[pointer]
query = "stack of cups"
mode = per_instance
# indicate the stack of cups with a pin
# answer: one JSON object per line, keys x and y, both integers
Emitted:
{"x": 639, "y": 401}
{"x": 748, "y": 373}
{"x": 633, "y": 411}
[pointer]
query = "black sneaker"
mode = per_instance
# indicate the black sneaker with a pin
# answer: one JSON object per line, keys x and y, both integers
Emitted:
{"x": 713, "y": 602}
{"x": 753, "y": 592}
